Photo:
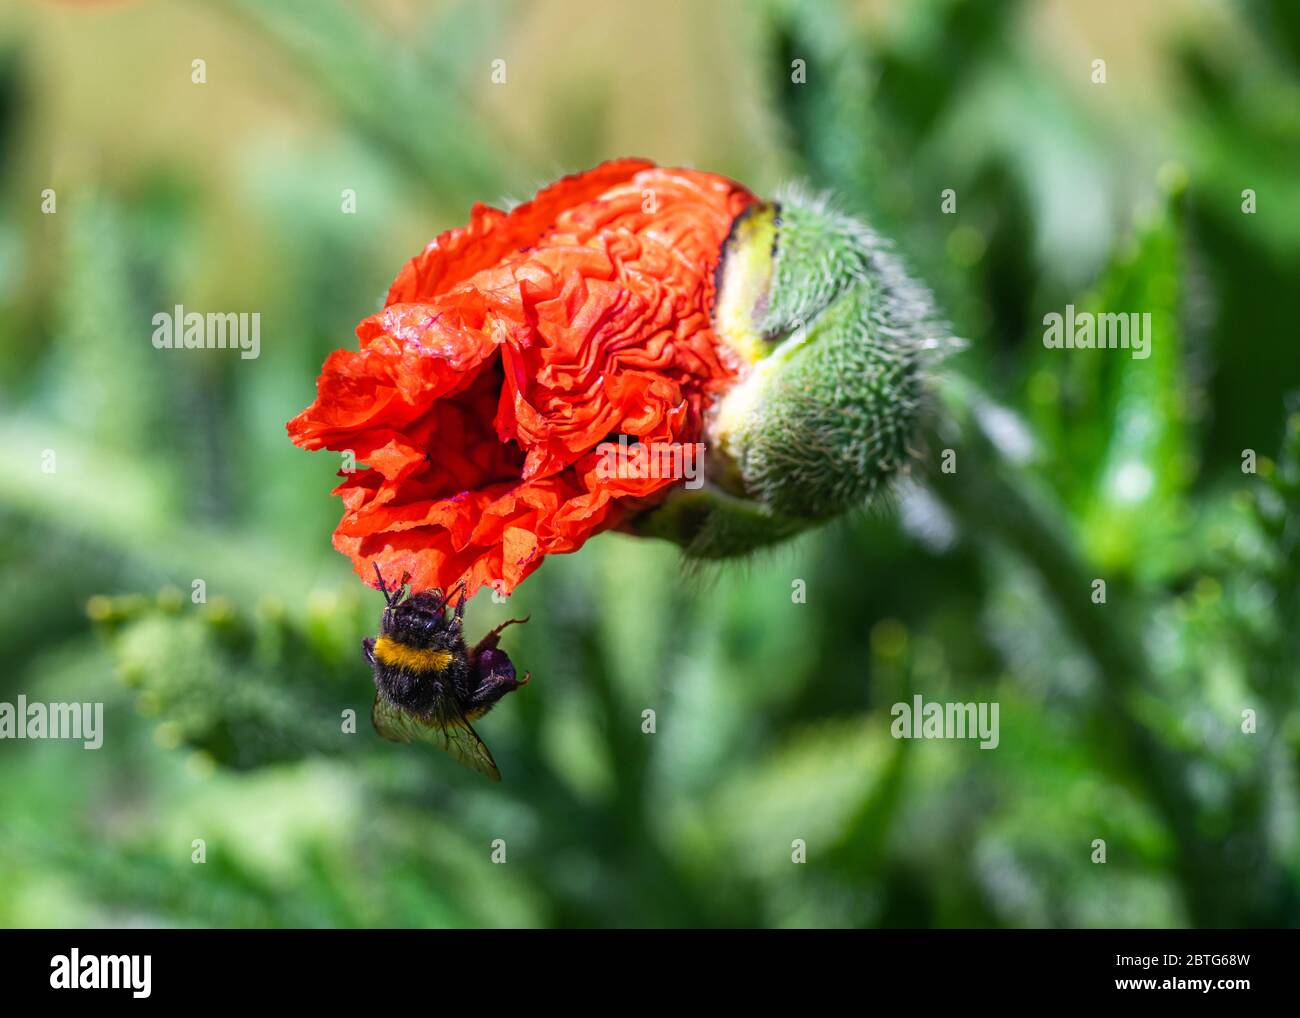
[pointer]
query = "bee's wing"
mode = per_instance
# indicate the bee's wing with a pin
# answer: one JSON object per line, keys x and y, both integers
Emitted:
{"x": 453, "y": 735}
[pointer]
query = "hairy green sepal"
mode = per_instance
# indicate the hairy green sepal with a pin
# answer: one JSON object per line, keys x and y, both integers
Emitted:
{"x": 833, "y": 336}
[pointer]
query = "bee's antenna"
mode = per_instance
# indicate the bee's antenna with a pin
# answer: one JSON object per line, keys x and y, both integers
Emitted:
{"x": 443, "y": 604}
{"x": 390, "y": 597}
{"x": 383, "y": 589}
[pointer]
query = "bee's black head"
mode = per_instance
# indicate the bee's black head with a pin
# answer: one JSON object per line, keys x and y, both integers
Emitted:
{"x": 420, "y": 617}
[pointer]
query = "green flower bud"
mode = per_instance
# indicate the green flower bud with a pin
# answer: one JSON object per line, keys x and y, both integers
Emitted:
{"x": 837, "y": 340}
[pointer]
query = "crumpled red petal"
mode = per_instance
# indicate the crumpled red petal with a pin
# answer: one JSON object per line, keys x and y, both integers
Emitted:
{"x": 510, "y": 349}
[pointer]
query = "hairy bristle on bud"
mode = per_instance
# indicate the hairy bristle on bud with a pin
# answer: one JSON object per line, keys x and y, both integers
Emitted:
{"x": 829, "y": 407}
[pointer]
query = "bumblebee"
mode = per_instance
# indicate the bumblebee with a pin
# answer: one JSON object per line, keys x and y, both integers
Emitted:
{"x": 428, "y": 684}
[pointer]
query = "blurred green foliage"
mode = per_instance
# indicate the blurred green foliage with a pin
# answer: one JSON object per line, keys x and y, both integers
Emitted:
{"x": 225, "y": 719}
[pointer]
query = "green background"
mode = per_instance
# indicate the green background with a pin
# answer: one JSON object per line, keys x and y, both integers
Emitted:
{"x": 1120, "y": 722}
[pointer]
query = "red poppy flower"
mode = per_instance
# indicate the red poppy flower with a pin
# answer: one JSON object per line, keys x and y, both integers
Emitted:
{"x": 507, "y": 352}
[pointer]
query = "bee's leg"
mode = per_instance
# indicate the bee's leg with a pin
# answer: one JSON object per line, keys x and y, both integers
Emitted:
{"x": 442, "y": 601}
{"x": 391, "y": 594}
{"x": 495, "y": 674}
{"x": 490, "y": 641}
{"x": 368, "y": 648}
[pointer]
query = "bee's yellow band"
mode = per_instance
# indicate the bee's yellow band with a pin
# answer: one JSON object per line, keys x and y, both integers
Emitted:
{"x": 416, "y": 659}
